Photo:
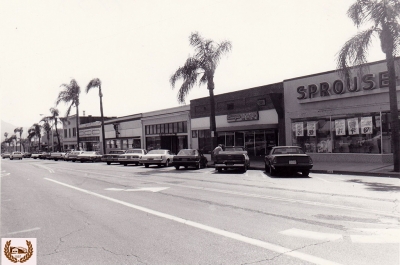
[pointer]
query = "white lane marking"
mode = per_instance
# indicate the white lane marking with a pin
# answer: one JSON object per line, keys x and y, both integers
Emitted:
{"x": 319, "y": 204}
{"x": 5, "y": 174}
{"x": 252, "y": 241}
{"x": 311, "y": 234}
{"x": 322, "y": 179}
{"x": 152, "y": 189}
{"x": 377, "y": 236}
{"x": 24, "y": 231}
{"x": 43, "y": 166}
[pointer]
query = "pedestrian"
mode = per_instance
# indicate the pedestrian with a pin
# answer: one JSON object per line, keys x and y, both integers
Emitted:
{"x": 217, "y": 150}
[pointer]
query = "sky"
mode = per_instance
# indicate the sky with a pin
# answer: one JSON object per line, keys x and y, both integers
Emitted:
{"x": 134, "y": 47}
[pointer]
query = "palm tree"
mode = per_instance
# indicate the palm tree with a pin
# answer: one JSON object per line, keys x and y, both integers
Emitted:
{"x": 20, "y": 130}
{"x": 203, "y": 63}
{"x": 54, "y": 119}
{"x": 31, "y": 134}
{"x": 92, "y": 84}
{"x": 70, "y": 95}
{"x": 47, "y": 128}
{"x": 383, "y": 15}
{"x": 36, "y": 130}
{"x": 11, "y": 140}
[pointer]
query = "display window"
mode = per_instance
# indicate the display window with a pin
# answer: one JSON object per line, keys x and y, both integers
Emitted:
{"x": 353, "y": 133}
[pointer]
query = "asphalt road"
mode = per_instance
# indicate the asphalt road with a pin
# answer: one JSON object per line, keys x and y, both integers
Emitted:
{"x": 91, "y": 213}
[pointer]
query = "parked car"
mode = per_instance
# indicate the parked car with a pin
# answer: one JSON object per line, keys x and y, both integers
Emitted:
{"x": 91, "y": 156}
{"x": 73, "y": 155}
{"x": 190, "y": 157}
{"x": 131, "y": 156}
{"x": 288, "y": 159}
{"x": 65, "y": 157}
{"x": 235, "y": 157}
{"x": 27, "y": 155}
{"x": 45, "y": 155}
{"x": 5, "y": 155}
{"x": 57, "y": 156}
{"x": 112, "y": 156}
{"x": 157, "y": 157}
{"x": 16, "y": 155}
{"x": 35, "y": 155}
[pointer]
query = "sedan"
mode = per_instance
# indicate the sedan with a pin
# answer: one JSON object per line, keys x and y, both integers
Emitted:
{"x": 112, "y": 156}
{"x": 5, "y": 155}
{"x": 288, "y": 159}
{"x": 157, "y": 157}
{"x": 16, "y": 155}
{"x": 190, "y": 157}
{"x": 131, "y": 156}
{"x": 72, "y": 156}
{"x": 92, "y": 156}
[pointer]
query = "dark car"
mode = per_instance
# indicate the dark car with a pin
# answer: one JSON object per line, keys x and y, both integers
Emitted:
{"x": 288, "y": 159}
{"x": 112, "y": 156}
{"x": 27, "y": 155}
{"x": 189, "y": 158}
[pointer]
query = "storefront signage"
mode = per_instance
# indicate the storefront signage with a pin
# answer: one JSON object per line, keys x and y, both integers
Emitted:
{"x": 368, "y": 82}
{"x": 352, "y": 125}
{"x": 366, "y": 125}
{"x": 249, "y": 116}
{"x": 340, "y": 127}
{"x": 299, "y": 129}
{"x": 311, "y": 128}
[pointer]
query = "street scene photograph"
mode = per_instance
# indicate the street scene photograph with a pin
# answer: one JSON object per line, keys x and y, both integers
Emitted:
{"x": 200, "y": 132}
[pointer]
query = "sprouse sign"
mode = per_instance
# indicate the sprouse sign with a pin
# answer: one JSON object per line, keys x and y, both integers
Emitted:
{"x": 324, "y": 89}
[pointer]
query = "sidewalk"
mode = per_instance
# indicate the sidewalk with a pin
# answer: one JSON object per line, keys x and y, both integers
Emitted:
{"x": 364, "y": 169}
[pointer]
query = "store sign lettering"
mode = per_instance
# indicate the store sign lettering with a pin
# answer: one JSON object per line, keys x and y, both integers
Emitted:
{"x": 249, "y": 116}
{"x": 338, "y": 87}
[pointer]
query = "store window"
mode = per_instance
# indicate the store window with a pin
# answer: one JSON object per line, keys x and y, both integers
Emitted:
{"x": 205, "y": 141}
{"x": 153, "y": 143}
{"x": 355, "y": 133}
{"x": 125, "y": 144}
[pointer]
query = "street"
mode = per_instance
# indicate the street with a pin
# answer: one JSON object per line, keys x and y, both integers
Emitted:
{"x": 93, "y": 213}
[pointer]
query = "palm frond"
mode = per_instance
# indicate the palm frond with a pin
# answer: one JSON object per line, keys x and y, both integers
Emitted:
{"x": 95, "y": 82}
{"x": 354, "y": 52}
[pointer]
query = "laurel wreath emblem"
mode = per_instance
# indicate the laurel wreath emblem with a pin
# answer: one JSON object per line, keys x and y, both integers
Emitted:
{"x": 15, "y": 260}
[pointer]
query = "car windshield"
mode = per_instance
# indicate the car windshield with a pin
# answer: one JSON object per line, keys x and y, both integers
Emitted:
{"x": 117, "y": 152}
{"x": 187, "y": 152}
{"x": 278, "y": 151}
{"x": 154, "y": 152}
{"x": 232, "y": 148}
{"x": 134, "y": 152}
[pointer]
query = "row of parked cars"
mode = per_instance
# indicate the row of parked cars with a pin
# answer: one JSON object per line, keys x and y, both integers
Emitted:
{"x": 280, "y": 158}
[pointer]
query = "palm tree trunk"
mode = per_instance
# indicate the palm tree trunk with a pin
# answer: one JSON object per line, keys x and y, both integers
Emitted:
{"x": 77, "y": 126}
{"x": 102, "y": 121}
{"x": 394, "y": 111}
{"x": 213, "y": 126}
{"x": 58, "y": 136}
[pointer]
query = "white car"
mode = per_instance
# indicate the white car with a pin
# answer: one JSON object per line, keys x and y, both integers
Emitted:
{"x": 157, "y": 157}
{"x": 131, "y": 156}
{"x": 16, "y": 155}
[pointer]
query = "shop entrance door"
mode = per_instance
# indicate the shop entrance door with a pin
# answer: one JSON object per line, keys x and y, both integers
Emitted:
{"x": 170, "y": 143}
{"x": 89, "y": 146}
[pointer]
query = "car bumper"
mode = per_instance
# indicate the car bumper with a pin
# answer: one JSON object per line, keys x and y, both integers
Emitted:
{"x": 185, "y": 163}
{"x": 152, "y": 162}
{"x": 129, "y": 161}
{"x": 230, "y": 165}
{"x": 291, "y": 167}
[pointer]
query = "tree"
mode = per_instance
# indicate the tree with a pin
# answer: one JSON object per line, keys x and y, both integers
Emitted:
{"x": 70, "y": 95}
{"x": 54, "y": 119}
{"x": 92, "y": 84}
{"x": 384, "y": 16}
{"x": 47, "y": 128}
{"x": 203, "y": 63}
{"x": 36, "y": 130}
{"x": 11, "y": 140}
{"x": 31, "y": 134}
{"x": 6, "y": 140}
{"x": 20, "y": 130}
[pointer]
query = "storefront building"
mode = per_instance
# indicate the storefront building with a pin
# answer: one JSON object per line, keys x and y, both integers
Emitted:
{"x": 252, "y": 118}
{"x": 167, "y": 129}
{"x": 90, "y": 136}
{"x": 333, "y": 120}
{"x": 123, "y": 133}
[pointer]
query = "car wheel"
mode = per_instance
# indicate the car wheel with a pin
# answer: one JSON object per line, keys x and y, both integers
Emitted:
{"x": 266, "y": 167}
{"x": 272, "y": 172}
{"x": 219, "y": 169}
{"x": 198, "y": 166}
{"x": 108, "y": 163}
{"x": 244, "y": 168}
{"x": 125, "y": 164}
{"x": 177, "y": 167}
{"x": 167, "y": 163}
{"x": 11, "y": 158}
{"x": 81, "y": 161}
{"x": 305, "y": 173}
{"x": 146, "y": 165}
{"x": 73, "y": 161}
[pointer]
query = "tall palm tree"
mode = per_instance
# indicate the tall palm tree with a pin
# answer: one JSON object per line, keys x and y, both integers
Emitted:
{"x": 203, "y": 63}
{"x": 54, "y": 119}
{"x": 70, "y": 95}
{"x": 36, "y": 130}
{"x": 20, "y": 130}
{"x": 31, "y": 134}
{"x": 92, "y": 84}
{"x": 47, "y": 128}
{"x": 6, "y": 134}
{"x": 384, "y": 16}
{"x": 11, "y": 140}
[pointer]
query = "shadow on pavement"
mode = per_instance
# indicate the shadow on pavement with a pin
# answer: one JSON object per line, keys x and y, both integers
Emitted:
{"x": 375, "y": 186}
